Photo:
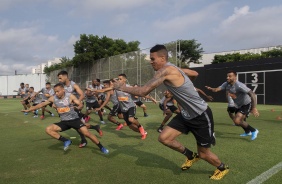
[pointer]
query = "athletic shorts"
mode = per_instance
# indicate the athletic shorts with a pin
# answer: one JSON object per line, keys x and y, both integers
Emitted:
{"x": 202, "y": 127}
{"x": 27, "y": 101}
{"x": 172, "y": 108}
{"x": 90, "y": 106}
{"x": 102, "y": 97}
{"x": 65, "y": 125}
{"x": 245, "y": 109}
{"x": 138, "y": 103}
{"x": 231, "y": 109}
{"x": 115, "y": 110}
{"x": 128, "y": 114}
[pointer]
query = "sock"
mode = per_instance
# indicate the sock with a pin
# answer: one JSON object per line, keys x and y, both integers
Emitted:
{"x": 50, "y": 112}
{"x": 188, "y": 153}
{"x": 83, "y": 140}
{"x": 61, "y": 138}
{"x": 161, "y": 126}
{"x": 92, "y": 127}
{"x": 139, "y": 126}
{"x": 221, "y": 167}
{"x": 117, "y": 123}
{"x": 246, "y": 130}
{"x": 251, "y": 128}
{"x": 101, "y": 118}
{"x": 100, "y": 145}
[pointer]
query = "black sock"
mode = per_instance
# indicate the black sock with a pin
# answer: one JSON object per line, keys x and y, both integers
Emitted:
{"x": 83, "y": 139}
{"x": 139, "y": 126}
{"x": 117, "y": 123}
{"x": 251, "y": 128}
{"x": 221, "y": 167}
{"x": 50, "y": 112}
{"x": 246, "y": 130}
{"x": 188, "y": 153}
{"x": 92, "y": 127}
{"x": 61, "y": 138}
{"x": 101, "y": 118}
{"x": 161, "y": 126}
{"x": 100, "y": 145}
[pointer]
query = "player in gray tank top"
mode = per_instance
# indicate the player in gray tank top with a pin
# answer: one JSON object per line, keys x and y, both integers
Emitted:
{"x": 23, "y": 92}
{"x": 47, "y": 92}
{"x": 69, "y": 118}
{"x": 195, "y": 117}
{"x": 245, "y": 102}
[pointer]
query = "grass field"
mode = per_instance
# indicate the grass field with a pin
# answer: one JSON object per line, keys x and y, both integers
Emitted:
{"x": 29, "y": 155}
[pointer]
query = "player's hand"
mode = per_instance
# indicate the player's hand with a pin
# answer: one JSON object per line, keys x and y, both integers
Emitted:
{"x": 118, "y": 85}
{"x": 210, "y": 98}
{"x": 97, "y": 109}
{"x": 209, "y": 88}
{"x": 24, "y": 110}
{"x": 255, "y": 112}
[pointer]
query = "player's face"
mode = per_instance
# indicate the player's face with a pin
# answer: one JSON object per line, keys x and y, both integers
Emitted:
{"x": 62, "y": 78}
{"x": 106, "y": 85}
{"x": 48, "y": 86}
{"x": 59, "y": 91}
{"x": 22, "y": 86}
{"x": 231, "y": 78}
{"x": 122, "y": 79}
{"x": 157, "y": 60}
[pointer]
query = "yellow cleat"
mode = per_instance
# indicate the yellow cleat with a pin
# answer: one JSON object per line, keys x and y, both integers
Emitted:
{"x": 188, "y": 163}
{"x": 218, "y": 174}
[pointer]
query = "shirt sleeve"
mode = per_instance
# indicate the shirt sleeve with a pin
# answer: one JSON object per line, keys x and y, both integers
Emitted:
{"x": 223, "y": 86}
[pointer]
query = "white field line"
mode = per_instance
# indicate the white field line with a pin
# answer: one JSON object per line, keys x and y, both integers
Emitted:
{"x": 267, "y": 174}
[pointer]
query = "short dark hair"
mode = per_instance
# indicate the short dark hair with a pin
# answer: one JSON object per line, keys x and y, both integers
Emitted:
{"x": 63, "y": 73}
{"x": 123, "y": 75}
{"x": 31, "y": 88}
{"x": 59, "y": 85}
{"x": 107, "y": 82}
{"x": 160, "y": 49}
{"x": 48, "y": 83}
{"x": 22, "y": 83}
{"x": 232, "y": 71}
{"x": 98, "y": 80}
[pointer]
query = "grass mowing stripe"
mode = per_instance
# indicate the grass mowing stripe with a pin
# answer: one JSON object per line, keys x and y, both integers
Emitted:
{"x": 267, "y": 174}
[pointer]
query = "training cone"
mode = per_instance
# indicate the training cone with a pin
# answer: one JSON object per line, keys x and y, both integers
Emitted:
{"x": 278, "y": 118}
{"x": 272, "y": 110}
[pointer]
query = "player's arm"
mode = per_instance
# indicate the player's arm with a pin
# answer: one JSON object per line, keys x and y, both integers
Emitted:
{"x": 192, "y": 74}
{"x": 157, "y": 80}
{"x": 214, "y": 89}
{"x": 50, "y": 100}
{"x": 76, "y": 101}
{"x": 210, "y": 98}
{"x": 254, "y": 103}
{"x": 108, "y": 96}
{"x": 151, "y": 98}
{"x": 165, "y": 102}
{"x": 102, "y": 90}
{"x": 79, "y": 91}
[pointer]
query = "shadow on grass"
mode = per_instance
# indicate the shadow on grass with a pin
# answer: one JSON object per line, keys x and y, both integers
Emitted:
{"x": 144, "y": 158}
{"x": 226, "y": 135}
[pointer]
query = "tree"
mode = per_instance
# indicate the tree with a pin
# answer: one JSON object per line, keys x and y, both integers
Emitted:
{"x": 90, "y": 48}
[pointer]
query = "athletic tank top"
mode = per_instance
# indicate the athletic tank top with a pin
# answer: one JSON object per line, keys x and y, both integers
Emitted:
{"x": 125, "y": 100}
{"x": 90, "y": 97}
{"x": 65, "y": 108}
{"x": 114, "y": 98}
{"x": 70, "y": 89}
{"x": 187, "y": 97}
{"x": 46, "y": 91}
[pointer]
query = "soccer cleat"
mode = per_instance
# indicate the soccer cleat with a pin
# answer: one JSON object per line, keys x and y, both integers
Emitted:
{"x": 246, "y": 134}
{"x": 254, "y": 135}
{"x": 104, "y": 150}
{"x": 36, "y": 111}
{"x": 35, "y": 116}
{"x": 66, "y": 145}
{"x": 82, "y": 145}
{"x": 188, "y": 163}
{"x": 25, "y": 113}
{"x": 42, "y": 117}
{"x": 144, "y": 135}
{"x": 103, "y": 122}
{"x": 119, "y": 127}
{"x": 52, "y": 115}
{"x": 160, "y": 129}
{"x": 146, "y": 115}
{"x": 218, "y": 174}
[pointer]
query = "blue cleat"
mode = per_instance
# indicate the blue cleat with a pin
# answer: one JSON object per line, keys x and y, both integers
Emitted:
{"x": 66, "y": 145}
{"x": 104, "y": 150}
{"x": 254, "y": 135}
{"x": 25, "y": 113}
{"x": 246, "y": 134}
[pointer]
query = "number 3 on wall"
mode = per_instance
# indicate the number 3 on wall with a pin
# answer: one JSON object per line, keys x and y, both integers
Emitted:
{"x": 255, "y": 75}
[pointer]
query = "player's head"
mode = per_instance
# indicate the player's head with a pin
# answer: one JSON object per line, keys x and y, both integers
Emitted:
{"x": 122, "y": 78}
{"x": 231, "y": 76}
{"x": 158, "y": 56}
{"x": 31, "y": 89}
{"x": 96, "y": 82}
{"x": 59, "y": 90}
{"x": 63, "y": 76}
{"x": 27, "y": 85}
{"x": 48, "y": 85}
{"x": 22, "y": 85}
{"x": 107, "y": 83}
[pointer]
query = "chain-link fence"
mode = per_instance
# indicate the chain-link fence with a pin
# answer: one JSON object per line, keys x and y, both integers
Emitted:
{"x": 133, "y": 64}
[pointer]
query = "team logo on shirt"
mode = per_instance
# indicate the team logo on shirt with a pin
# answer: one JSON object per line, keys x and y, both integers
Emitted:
{"x": 233, "y": 96}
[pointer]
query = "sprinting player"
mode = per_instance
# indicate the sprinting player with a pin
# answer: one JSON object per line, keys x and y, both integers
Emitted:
{"x": 69, "y": 118}
{"x": 35, "y": 99}
{"x": 128, "y": 108}
{"x": 47, "y": 93}
{"x": 111, "y": 95}
{"x": 167, "y": 106}
{"x": 195, "y": 117}
{"x": 139, "y": 103}
{"x": 96, "y": 84}
{"x": 91, "y": 104}
{"x": 23, "y": 92}
{"x": 245, "y": 102}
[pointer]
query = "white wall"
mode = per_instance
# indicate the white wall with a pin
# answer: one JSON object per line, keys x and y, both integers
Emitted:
{"x": 12, "y": 82}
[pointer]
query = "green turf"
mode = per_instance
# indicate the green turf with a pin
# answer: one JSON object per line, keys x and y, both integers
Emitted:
{"x": 29, "y": 155}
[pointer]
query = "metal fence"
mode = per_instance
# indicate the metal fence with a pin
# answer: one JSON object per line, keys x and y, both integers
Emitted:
{"x": 133, "y": 64}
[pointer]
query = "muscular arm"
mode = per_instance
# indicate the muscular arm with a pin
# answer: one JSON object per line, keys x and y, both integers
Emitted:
{"x": 254, "y": 103}
{"x": 190, "y": 73}
{"x": 108, "y": 95}
{"x": 79, "y": 91}
{"x": 157, "y": 80}
{"x": 213, "y": 89}
{"x": 77, "y": 102}
{"x": 50, "y": 100}
{"x": 210, "y": 98}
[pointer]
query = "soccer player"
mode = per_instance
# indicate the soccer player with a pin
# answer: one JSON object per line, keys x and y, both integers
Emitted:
{"x": 69, "y": 118}
{"x": 23, "y": 92}
{"x": 47, "y": 93}
{"x": 34, "y": 98}
{"x": 139, "y": 103}
{"x": 195, "y": 117}
{"x": 96, "y": 84}
{"x": 245, "y": 102}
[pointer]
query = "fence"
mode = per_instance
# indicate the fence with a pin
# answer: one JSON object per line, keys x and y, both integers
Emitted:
{"x": 133, "y": 64}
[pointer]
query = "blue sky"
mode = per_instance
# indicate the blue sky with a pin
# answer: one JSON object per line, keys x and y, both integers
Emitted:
{"x": 34, "y": 31}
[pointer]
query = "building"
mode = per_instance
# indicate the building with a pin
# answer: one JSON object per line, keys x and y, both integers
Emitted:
{"x": 208, "y": 57}
{"x": 40, "y": 68}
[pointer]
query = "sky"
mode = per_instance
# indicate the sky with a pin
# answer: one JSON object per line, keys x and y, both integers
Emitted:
{"x": 35, "y": 31}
